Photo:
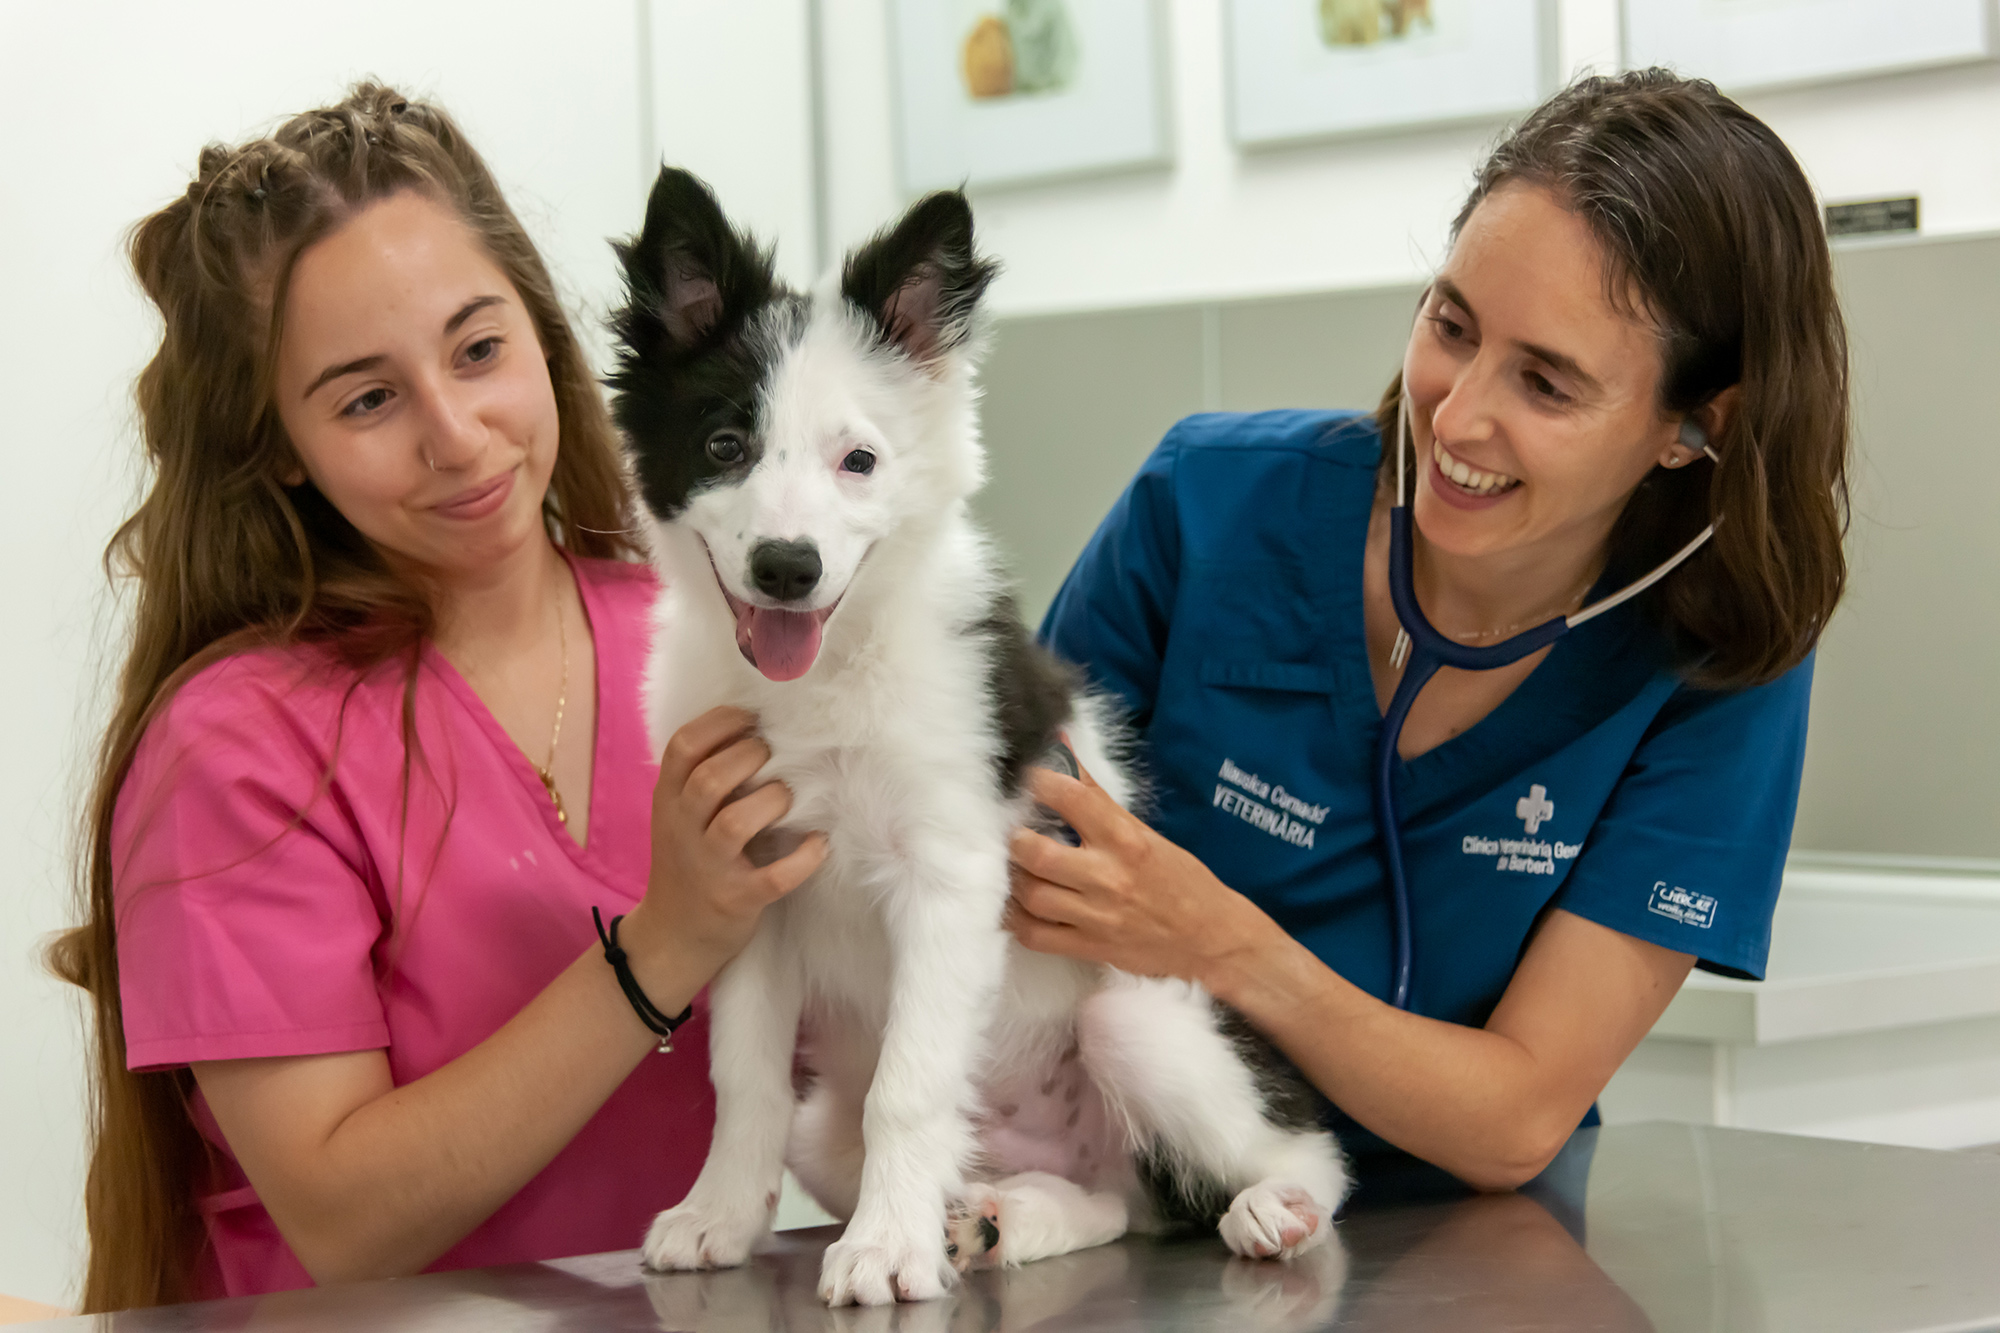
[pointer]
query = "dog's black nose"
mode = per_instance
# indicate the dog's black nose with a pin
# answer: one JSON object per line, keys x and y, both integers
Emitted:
{"x": 784, "y": 571}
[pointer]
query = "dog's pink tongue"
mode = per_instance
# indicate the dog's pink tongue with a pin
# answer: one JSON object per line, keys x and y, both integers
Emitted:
{"x": 782, "y": 644}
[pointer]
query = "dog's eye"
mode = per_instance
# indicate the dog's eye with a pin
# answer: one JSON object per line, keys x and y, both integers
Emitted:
{"x": 859, "y": 461}
{"x": 725, "y": 448}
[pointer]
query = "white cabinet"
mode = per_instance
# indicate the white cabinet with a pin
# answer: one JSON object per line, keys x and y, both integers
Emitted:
{"x": 1879, "y": 1019}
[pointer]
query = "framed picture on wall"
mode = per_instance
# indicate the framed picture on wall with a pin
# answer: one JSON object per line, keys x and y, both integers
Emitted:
{"x": 999, "y": 92}
{"x": 1769, "y": 43}
{"x": 1309, "y": 69}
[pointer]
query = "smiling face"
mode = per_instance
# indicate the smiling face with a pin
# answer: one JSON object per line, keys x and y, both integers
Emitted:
{"x": 414, "y": 388}
{"x": 1535, "y": 399}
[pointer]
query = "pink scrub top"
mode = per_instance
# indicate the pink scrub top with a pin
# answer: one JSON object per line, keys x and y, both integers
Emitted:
{"x": 272, "y": 901}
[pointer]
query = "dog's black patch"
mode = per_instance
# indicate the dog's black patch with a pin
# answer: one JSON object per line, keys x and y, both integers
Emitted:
{"x": 1186, "y": 1199}
{"x": 703, "y": 323}
{"x": 920, "y": 281}
{"x": 1290, "y": 1102}
{"x": 1030, "y": 687}
{"x": 1182, "y": 1200}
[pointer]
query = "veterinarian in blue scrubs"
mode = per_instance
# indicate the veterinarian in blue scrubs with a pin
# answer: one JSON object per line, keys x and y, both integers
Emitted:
{"x": 1640, "y": 271}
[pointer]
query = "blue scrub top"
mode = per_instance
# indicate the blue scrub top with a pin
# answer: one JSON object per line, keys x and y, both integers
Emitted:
{"x": 1221, "y": 599}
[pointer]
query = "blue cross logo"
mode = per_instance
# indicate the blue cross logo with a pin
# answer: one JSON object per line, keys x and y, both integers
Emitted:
{"x": 1535, "y": 807}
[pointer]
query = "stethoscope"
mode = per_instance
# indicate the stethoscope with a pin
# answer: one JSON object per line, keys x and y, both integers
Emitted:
{"x": 1427, "y": 650}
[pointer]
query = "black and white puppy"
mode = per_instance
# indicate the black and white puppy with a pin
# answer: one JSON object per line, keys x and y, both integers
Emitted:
{"x": 806, "y": 461}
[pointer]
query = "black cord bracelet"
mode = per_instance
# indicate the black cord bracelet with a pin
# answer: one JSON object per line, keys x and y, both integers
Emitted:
{"x": 649, "y": 1013}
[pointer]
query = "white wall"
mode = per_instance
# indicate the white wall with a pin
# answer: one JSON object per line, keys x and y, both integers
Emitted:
{"x": 732, "y": 102}
{"x": 104, "y": 107}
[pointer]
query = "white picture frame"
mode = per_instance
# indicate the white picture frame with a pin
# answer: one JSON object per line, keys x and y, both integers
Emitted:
{"x": 1104, "y": 110}
{"x": 1297, "y": 74}
{"x": 1743, "y": 45}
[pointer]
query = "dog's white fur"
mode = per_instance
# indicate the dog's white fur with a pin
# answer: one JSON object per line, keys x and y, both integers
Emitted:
{"x": 894, "y": 951}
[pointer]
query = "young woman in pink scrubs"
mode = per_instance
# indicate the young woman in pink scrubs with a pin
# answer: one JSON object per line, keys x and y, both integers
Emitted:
{"x": 378, "y": 752}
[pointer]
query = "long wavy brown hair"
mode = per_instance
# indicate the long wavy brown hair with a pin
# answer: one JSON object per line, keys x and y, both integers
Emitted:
{"x": 222, "y": 554}
{"x": 1706, "y": 218}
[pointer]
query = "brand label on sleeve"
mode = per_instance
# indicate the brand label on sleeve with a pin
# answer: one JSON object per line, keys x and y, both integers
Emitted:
{"x": 1683, "y": 905}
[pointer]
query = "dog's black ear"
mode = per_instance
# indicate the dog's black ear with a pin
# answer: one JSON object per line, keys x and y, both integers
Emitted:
{"x": 688, "y": 271}
{"x": 920, "y": 281}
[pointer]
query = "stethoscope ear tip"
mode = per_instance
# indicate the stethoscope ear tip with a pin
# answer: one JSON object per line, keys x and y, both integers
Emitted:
{"x": 1692, "y": 436}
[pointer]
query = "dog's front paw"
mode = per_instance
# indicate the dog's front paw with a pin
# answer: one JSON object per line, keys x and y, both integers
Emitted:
{"x": 690, "y": 1236}
{"x": 865, "y": 1270}
{"x": 1270, "y": 1221}
{"x": 972, "y": 1229}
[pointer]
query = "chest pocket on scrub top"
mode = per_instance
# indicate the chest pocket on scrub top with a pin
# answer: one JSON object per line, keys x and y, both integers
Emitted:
{"x": 1250, "y": 755}
{"x": 1271, "y": 677}
{"x": 1276, "y": 714}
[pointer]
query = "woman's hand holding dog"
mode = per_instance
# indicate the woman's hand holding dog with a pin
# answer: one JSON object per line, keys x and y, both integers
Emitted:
{"x": 1127, "y": 896}
{"x": 706, "y": 894}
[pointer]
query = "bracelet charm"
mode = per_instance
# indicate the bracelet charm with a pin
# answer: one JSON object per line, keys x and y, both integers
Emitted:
{"x": 649, "y": 1013}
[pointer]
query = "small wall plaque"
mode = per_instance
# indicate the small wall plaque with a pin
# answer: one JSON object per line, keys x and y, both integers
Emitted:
{"x": 1871, "y": 217}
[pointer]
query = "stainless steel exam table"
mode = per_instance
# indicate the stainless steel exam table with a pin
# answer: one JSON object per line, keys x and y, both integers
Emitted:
{"x": 1661, "y": 1227}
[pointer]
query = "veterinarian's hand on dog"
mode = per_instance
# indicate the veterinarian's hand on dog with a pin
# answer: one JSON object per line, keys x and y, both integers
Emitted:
{"x": 1127, "y": 896}
{"x": 705, "y": 893}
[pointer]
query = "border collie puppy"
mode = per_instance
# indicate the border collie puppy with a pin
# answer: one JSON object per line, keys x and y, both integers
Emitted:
{"x": 806, "y": 461}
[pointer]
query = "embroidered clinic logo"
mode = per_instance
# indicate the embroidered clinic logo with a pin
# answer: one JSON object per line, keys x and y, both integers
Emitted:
{"x": 1523, "y": 856}
{"x": 1535, "y": 807}
{"x": 1530, "y": 855}
{"x": 1682, "y": 905}
{"x": 1294, "y": 821}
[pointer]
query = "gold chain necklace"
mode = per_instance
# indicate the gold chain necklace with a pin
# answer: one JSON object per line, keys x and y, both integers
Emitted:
{"x": 546, "y": 772}
{"x": 1400, "y": 652}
